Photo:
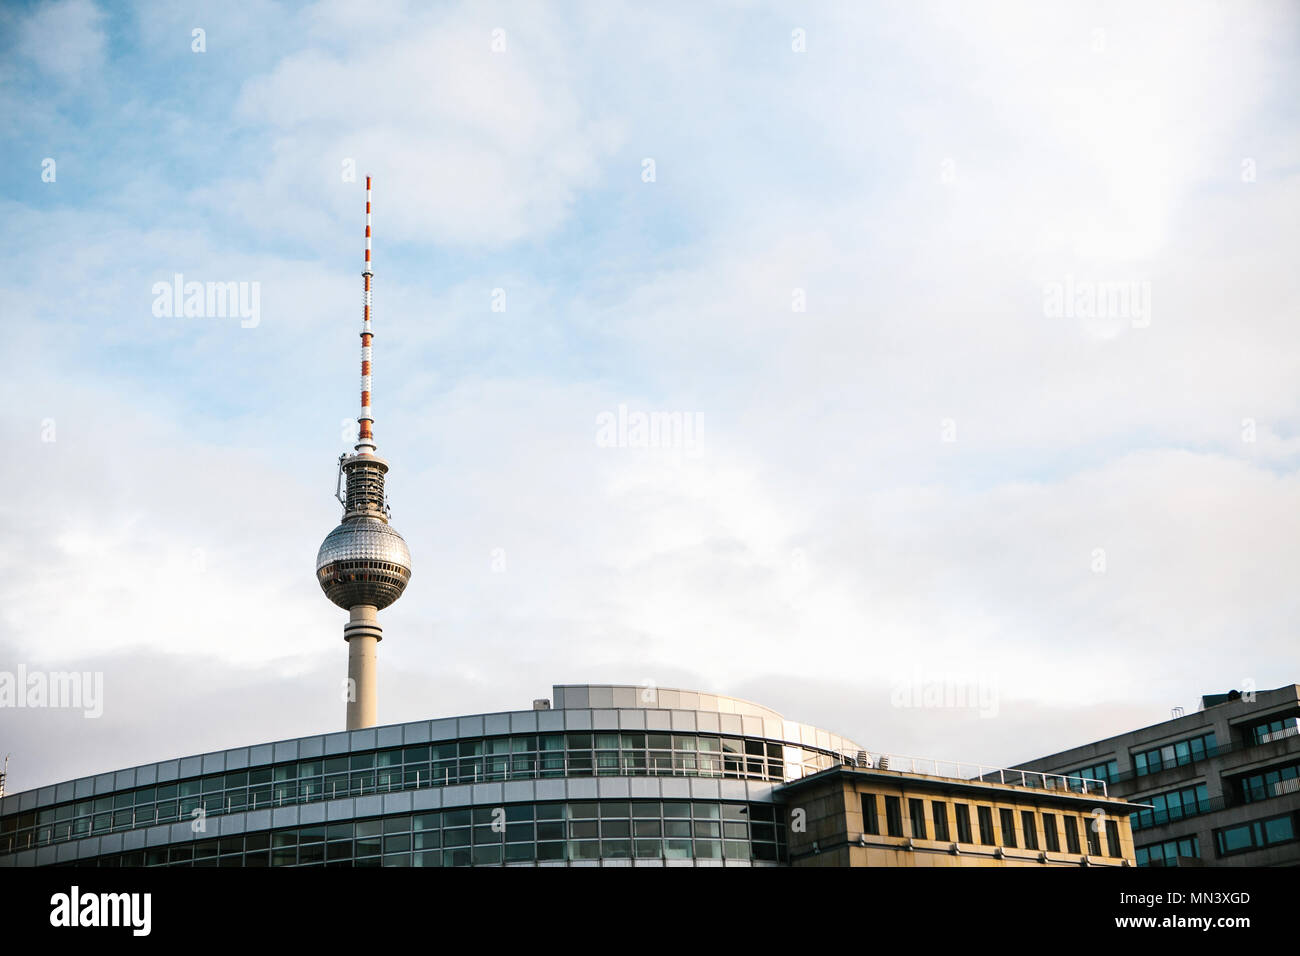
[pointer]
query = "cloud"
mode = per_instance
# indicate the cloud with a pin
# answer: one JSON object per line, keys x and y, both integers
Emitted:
{"x": 467, "y": 145}
{"x": 823, "y": 525}
{"x": 65, "y": 39}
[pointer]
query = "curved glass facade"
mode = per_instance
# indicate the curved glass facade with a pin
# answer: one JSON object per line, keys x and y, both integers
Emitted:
{"x": 517, "y": 833}
{"x": 637, "y": 783}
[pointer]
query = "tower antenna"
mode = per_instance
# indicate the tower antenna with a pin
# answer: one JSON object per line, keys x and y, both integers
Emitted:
{"x": 365, "y": 421}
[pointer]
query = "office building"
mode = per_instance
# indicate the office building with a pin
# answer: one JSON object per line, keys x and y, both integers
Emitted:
{"x": 1223, "y": 783}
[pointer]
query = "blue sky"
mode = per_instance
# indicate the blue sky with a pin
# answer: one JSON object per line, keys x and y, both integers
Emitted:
{"x": 920, "y": 174}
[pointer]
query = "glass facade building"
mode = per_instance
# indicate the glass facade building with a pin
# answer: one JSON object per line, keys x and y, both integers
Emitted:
{"x": 610, "y": 775}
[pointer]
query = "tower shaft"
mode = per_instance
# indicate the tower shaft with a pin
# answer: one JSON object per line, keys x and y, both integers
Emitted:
{"x": 363, "y": 635}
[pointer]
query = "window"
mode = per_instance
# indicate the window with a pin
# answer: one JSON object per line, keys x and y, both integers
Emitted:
{"x": 916, "y": 810}
{"x": 1090, "y": 828}
{"x": 1071, "y": 833}
{"x": 1107, "y": 771}
{"x": 939, "y": 810}
{"x": 1269, "y": 783}
{"x": 1175, "y": 754}
{"x": 870, "y": 817}
{"x": 985, "y": 815}
{"x": 1256, "y": 835}
{"x": 1271, "y": 730}
{"x": 894, "y": 816}
{"x": 1030, "y": 827}
{"x": 1008, "y": 821}
{"x": 963, "y": 823}
{"x": 1112, "y": 839}
{"x": 1167, "y": 853}
{"x": 1167, "y": 807}
{"x": 1049, "y": 833}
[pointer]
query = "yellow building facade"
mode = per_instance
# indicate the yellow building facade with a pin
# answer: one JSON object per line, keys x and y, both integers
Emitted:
{"x": 858, "y": 816}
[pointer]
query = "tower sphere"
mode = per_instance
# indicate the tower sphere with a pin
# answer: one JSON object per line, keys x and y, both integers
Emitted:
{"x": 363, "y": 561}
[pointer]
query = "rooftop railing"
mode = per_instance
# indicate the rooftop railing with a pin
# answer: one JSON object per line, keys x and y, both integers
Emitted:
{"x": 973, "y": 771}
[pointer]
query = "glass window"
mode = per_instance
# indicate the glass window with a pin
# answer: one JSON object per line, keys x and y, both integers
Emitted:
{"x": 1278, "y": 830}
{"x": 677, "y": 849}
{"x": 916, "y": 812}
{"x": 963, "y": 823}
{"x": 487, "y": 855}
{"x": 1049, "y": 833}
{"x": 516, "y": 852}
{"x": 1112, "y": 839}
{"x": 1030, "y": 828}
{"x": 870, "y": 820}
{"x": 1071, "y": 824}
{"x": 939, "y": 811}
{"x": 456, "y": 818}
{"x": 1008, "y": 823}
{"x": 1235, "y": 838}
{"x": 550, "y": 851}
{"x": 893, "y": 816}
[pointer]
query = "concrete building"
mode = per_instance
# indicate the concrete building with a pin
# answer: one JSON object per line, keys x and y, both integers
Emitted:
{"x": 1223, "y": 784}
{"x": 853, "y": 815}
{"x": 611, "y": 775}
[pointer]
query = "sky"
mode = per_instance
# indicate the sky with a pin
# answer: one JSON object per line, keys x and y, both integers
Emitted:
{"x": 979, "y": 322}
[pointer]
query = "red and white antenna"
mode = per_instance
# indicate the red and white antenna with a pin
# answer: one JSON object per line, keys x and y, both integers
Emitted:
{"x": 365, "y": 437}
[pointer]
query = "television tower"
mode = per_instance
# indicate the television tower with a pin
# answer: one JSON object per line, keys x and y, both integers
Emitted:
{"x": 363, "y": 565}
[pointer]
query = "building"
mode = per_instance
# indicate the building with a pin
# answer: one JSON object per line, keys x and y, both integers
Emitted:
{"x": 1222, "y": 784}
{"x": 855, "y": 815}
{"x": 611, "y": 775}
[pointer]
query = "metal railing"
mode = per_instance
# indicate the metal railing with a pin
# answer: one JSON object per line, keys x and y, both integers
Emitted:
{"x": 960, "y": 770}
